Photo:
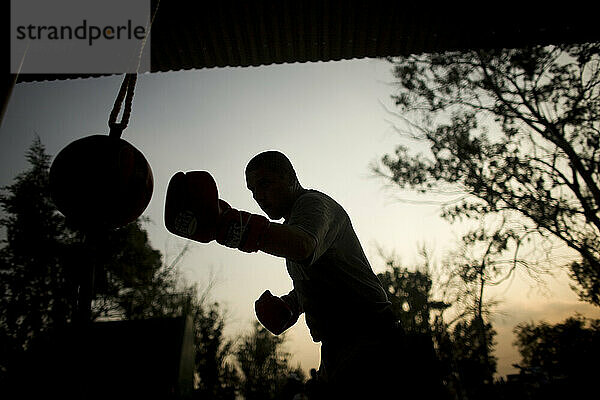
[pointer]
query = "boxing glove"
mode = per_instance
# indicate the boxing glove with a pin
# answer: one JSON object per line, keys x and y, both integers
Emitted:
{"x": 274, "y": 313}
{"x": 193, "y": 210}
{"x": 192, "y": 206}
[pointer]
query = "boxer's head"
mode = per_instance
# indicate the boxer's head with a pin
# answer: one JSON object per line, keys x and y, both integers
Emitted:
{"x": 272, "y": 180}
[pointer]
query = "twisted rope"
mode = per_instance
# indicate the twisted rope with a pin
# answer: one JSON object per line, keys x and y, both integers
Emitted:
{"x": 127, "y": 89}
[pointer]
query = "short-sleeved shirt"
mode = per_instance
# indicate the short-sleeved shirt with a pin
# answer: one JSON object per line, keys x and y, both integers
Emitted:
{"x": 336, "y": 287}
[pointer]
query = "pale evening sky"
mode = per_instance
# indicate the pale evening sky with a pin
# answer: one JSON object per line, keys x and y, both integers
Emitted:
{"x": 329, "y": 118}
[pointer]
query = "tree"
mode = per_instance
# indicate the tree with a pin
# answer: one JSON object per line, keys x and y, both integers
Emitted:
{"x": 472, "y": 359}
{"x": 513, "y": 134}
{"x": 218, "y": 378}
{"x": 563, "y": 354}
{"x": 264, "y": 364}
{"x": 38, "y": 276}
{"x": 43, "y": 263}
{"x": 410, "y": 295}
{"x": 464, "y": 346}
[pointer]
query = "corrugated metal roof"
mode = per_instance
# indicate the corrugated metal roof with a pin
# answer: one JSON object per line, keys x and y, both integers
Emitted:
{"x": 196, "y": 34}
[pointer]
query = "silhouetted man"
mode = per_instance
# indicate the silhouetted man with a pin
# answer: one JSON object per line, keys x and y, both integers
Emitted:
{"x": 345, "y": 306}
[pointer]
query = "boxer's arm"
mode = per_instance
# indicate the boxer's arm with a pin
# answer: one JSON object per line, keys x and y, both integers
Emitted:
{"x": 194, "y": 210}
{"x": 287, "y": 241}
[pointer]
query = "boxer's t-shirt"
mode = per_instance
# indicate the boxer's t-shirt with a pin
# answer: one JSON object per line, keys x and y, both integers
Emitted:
{"x": 336, "y": 287}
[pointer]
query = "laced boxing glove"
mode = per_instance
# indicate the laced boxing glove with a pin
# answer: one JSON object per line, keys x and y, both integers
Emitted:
{"x": 274, "y": 313}
{"x": 192, "y": 206}
{"x": 193, "y": 210}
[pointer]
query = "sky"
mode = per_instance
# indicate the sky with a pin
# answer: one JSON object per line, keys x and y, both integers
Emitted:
{"x": 331, "y": 119}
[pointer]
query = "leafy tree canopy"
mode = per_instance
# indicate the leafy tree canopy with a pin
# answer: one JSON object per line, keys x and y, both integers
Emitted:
{"x": 566, "y": 352}
{"x": 464, "y": 346}
{"x": 264, "y": 364}
{"x": 410, "y": 295}
{"x": 514, "y": 133}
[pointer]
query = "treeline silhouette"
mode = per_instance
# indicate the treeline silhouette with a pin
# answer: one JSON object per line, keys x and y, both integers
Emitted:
{"x": 557, "y": 360}
{"x": 42, "y": 259}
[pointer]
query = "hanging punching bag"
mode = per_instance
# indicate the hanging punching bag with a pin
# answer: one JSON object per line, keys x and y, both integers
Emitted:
{"x": 102, "y": 181}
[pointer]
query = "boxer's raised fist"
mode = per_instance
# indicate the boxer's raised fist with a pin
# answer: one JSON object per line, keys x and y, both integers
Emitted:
{"x": 274, "y": 313}
{"x": 192, "y": 206}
